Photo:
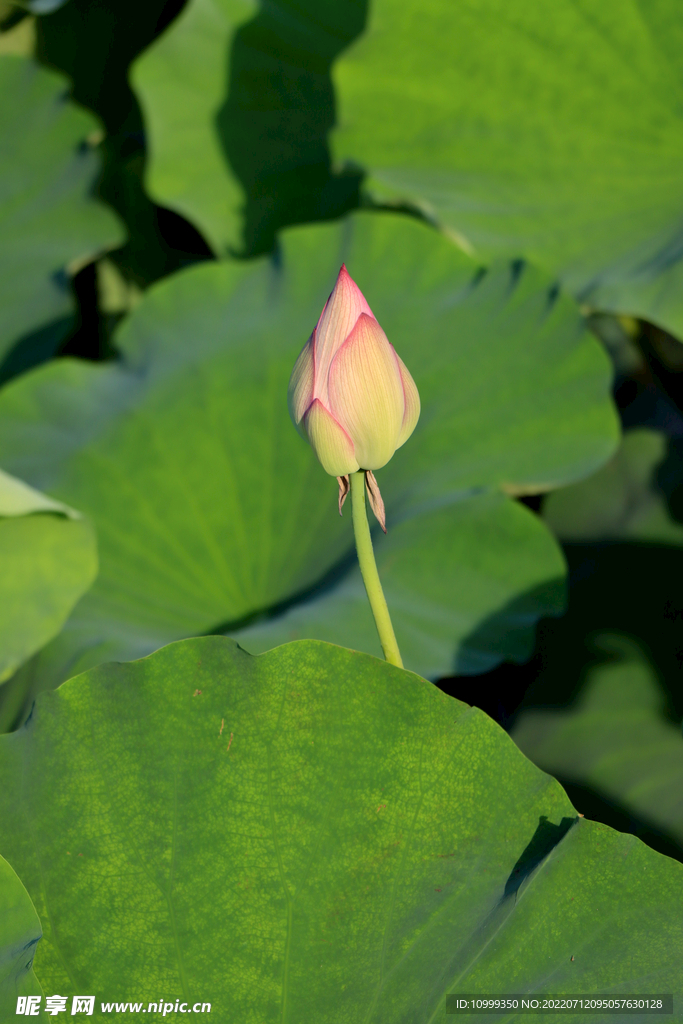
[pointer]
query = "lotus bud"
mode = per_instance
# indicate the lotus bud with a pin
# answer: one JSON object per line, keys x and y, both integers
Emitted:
{"x": 349, "y": 394}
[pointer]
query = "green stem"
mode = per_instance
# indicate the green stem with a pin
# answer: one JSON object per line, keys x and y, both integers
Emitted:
{"x": 368, "y": 568}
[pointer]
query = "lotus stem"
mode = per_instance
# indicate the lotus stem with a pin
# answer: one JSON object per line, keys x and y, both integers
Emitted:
{"x": 368, "y": 568}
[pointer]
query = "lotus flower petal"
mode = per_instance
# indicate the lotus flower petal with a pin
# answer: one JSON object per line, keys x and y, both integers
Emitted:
{"x": 337, "y": 320}
{"x": 412, "y": 404}
{"x": 300, "y": 391}
{"x": 329, "y": 441}
{"x": 349, "y": 393}
{"x": 366, "y": 393}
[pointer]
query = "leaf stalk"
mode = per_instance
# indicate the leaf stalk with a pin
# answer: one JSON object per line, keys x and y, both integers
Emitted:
{"x": 368, "y": 568}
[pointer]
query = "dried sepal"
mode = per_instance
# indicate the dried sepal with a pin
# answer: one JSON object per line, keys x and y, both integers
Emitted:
{"x": 375, "y": 499}
{"x": 344, "y": 488}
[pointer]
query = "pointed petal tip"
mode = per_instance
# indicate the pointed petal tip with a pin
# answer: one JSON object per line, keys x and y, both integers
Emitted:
{"x": 351, "y": 292}
{"x": 340, "y": 313}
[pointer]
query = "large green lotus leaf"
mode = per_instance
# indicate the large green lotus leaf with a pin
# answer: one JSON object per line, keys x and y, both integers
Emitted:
{"x": 19, "y": 933}
{"x": 313, "y": 834}
{"x": 620, "y": 501}
{"x": 48, "y": 216}
{"x": 617, "y": 740}
{"x": 48, "y": 559}
{"x": 210, "y": 508}
{"x": 551, "y": 130}
{"x": 238, "y": 103}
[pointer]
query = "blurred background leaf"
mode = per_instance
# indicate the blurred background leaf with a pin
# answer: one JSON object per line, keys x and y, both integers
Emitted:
{"x": 620, "y": 638}
{"x": 211, "y": 511}
{"x": 551, "y": 131}
{"x": 620, "y": 501}
{"x": 367, "y": 845}
{"x": 48, "y": 217}
{"x": 94, "y": 43}
{"x": 181, "y": 82}
{"x": 616, "y": 739}
{"x": 620, "y": 737}
{"x": 238, "y": 104}
{"x": 466, "y": 585}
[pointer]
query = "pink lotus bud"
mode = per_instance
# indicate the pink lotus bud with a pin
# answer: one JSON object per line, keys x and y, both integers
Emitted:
{"x": 349, "y": 392}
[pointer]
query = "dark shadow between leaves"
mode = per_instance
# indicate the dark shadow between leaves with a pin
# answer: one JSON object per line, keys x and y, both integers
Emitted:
{"x": 597, "y": 807}
{"x": 274, "y": 124}
{"x": 35, "y": 348}
{"x": 512, "y": 625}
{"x": 94, "y": 43}
{"x": 633, "y": 589}
{"x": 669, "y": 477}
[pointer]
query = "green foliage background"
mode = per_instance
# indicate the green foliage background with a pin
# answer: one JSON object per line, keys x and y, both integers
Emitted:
{"x": 179, "y": 183}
